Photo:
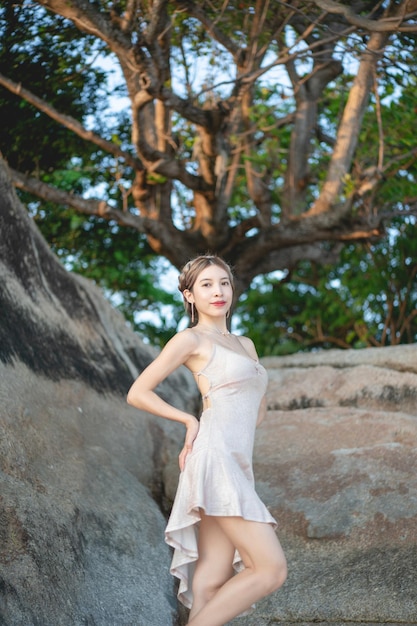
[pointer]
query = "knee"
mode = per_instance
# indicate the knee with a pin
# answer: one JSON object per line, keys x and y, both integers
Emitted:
{"x": 204, "y": 588}
{"x": 275, "y": 576}
{"x": 203, "y": 593}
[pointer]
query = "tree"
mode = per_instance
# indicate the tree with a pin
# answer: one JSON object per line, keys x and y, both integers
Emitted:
{"x": 367, "y": 299}
{"x": 264, "y": 174}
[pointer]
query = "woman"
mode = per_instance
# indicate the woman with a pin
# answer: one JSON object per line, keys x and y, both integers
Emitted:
{"x": 226, "y": 553}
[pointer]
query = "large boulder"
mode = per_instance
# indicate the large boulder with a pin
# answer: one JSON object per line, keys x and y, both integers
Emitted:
{"x": 336, "y": 461}
{"x": 78, "y": 525}
{"x": 82, "y": 502}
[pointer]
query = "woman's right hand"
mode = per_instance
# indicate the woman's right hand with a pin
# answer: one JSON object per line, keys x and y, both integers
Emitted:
{"x": 192, "y": 426}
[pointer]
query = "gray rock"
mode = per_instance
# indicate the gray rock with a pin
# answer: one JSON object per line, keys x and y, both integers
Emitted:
{"x": 336, "y": 462}
{"x": 81, "y": 534}
{"x": 82, "y": 502}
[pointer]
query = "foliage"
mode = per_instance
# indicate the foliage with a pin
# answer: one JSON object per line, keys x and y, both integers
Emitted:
{"x": 36, "y": 53}
{"x": 368, "y": 299}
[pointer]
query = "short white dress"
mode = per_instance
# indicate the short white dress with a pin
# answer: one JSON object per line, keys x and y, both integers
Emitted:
{"x": 218, "y": 475}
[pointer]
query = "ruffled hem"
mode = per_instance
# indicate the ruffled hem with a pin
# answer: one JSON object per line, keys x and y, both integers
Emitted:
{"x": 182, "y": 530}
{"x": 184, "y": 561}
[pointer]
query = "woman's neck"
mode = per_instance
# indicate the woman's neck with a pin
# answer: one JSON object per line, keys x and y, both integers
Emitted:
{"x": 212, "y": 328}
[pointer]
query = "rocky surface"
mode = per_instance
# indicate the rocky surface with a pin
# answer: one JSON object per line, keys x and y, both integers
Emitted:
{"x": 336, "y": 461}
{"x": 78, "y": 526}
{"x": 81, "y": 473}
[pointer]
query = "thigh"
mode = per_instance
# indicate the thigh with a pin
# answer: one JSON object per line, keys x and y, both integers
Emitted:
{"x": 215, "y": 552}
{"x": 256, "y": 542}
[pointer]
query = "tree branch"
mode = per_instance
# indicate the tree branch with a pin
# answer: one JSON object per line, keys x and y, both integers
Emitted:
{"x": 383, "y": 25}
{"x": 87, "y": 18}
{"x": 159, "y": 164}
{"x": 287, "y": 57}
{"x": 90, "y": 206}
{"x": 127, "y": 20}
{"x": 176, "y": 244}
{"x": 192, "y": 9}
{"x": 347, "y": 136}
{"x": 158, "y": 24}
{"x": 70, "y": 123}
{"x": 284, "y": 259}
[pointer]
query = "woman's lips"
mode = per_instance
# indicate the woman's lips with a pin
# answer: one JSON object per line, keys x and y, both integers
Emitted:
{"x": 219, "y": 304}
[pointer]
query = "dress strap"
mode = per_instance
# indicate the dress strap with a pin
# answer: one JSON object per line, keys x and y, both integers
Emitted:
{"x": 197, "y": 375}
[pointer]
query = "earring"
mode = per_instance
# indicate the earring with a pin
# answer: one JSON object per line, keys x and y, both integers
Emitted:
{"x": 192, "y": 312}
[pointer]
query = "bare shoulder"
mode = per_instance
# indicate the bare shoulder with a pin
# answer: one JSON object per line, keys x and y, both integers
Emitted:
{"x": 248, "y": 346}
{"x": 176, "y": 352}
{"x": 202, "y": 349}
{"x": 186, "y": 343}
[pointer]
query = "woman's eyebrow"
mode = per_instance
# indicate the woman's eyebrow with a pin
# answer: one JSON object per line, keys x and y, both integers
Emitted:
{"x": 203, "y": 280}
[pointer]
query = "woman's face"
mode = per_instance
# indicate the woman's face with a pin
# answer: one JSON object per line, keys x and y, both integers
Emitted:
{"x": 212, "y": 292}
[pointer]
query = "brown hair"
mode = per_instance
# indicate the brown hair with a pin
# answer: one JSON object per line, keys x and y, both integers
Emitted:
{"x": 191, "y": 271}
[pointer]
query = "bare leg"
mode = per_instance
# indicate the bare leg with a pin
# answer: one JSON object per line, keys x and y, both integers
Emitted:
{"x": 265, "y": 571}
{"x": 214, "y": 565}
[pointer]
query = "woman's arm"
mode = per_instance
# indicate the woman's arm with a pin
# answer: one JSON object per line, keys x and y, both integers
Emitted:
{"x": 142, "y": 395}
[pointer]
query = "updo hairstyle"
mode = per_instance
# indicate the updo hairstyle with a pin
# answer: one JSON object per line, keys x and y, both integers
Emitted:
{"x": 192, "y": 270}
